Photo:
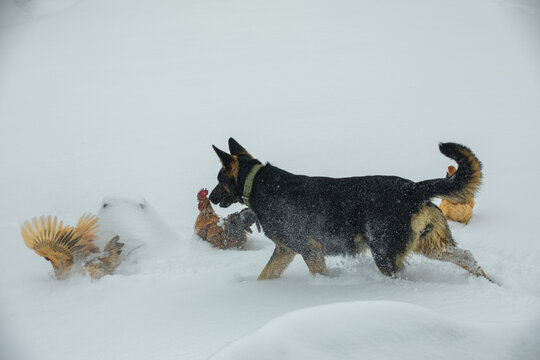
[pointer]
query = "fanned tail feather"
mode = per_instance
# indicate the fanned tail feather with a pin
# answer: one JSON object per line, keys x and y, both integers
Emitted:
{"x": 86, "y": 230}
{"x": 48, "y": 232}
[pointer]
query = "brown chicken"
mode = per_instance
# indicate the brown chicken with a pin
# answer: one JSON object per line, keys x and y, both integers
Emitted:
{"x": 106, "y": 263}
{"x": 222, "y": 233}
{"x": 66, "y": 246}
{"x": 457, "y": 211}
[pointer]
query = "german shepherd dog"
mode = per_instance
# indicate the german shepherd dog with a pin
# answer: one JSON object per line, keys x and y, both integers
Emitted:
{"x": 318, "y": 216}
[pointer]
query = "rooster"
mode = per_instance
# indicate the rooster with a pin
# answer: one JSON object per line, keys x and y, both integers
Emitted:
{"x": 222, "y": 233}
{"x": 460, "y": 212}
{"x": 66, "y": 246}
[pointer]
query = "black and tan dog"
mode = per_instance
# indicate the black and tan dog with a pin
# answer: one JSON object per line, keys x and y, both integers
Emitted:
{"x": 318, "y": 216}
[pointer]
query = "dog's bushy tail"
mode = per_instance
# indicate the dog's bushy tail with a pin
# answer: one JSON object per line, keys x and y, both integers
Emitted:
{"x": 463, "y": 184}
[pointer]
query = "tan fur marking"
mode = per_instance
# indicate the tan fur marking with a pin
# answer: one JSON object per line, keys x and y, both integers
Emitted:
{"x": 361, "y": 244}
{"x": 245, "y": 153}
{"x": 438, "y": 236}
{"x": 232, "y": 170}
{"x": 476, "y": 178}
{"x": 384, "y": 271}
{"x": 315, "y": 260}
{"x": 429, "y": 233}
{"x": 437, "y": 243}
{"x": 279, "y": 261}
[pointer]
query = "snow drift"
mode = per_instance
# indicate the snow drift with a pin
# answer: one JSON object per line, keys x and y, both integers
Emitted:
{"x": 374, "y": 330}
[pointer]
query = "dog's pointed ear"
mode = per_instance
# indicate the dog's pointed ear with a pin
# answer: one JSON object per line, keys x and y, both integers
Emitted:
{"x": 236, "y": 149}
{"x": 225, "y": 158}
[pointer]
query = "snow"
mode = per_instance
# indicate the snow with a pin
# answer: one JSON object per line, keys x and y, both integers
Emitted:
{"x": 104, "y": 98}
{"x": 136, "y": 221}
{"x": 372, "y": 329}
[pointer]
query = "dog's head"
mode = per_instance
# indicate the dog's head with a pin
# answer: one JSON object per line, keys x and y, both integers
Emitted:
{"x": 235, "y": 168}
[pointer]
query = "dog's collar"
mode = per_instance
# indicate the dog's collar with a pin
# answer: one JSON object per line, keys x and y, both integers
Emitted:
{"x": 249, "y": 184}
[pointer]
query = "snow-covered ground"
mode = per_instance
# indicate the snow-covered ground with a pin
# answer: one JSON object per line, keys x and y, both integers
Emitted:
{"x": 123, "y": 99}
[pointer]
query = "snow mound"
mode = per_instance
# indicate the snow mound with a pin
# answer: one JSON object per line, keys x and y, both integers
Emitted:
{"x": 367, "y": 330}
{"x": 142, "y": 230}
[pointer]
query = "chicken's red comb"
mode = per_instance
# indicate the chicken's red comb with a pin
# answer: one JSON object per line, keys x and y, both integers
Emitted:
{"x": 202, "y": 193}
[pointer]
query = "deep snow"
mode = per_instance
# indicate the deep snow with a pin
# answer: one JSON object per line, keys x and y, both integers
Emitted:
{"x": 102, "y": 98}
{"x": 388, "y": 328}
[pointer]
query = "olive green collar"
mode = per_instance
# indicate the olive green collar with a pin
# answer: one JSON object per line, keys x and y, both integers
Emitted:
{"x": 249, "y": 184}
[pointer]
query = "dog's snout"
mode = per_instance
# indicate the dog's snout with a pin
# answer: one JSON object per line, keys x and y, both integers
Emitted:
{"x": 213, "y": 197}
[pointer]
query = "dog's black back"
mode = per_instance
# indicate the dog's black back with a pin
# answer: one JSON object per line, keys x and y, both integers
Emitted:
{"x": 331, "y": 211}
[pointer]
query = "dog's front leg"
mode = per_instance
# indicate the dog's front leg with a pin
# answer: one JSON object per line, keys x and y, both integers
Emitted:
{"x": 315, "y": 258}
{"x": 280, "y": 260}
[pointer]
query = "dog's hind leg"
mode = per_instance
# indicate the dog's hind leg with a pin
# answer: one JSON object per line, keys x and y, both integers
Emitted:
{"x": 462, "y": 258}
{"x": 280, "y": 260}
{"x": 386, "y": 265}
{"x": 315, "y": 258}
{"x": 387, "y": 243}
{"x": 433, "y": 239}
